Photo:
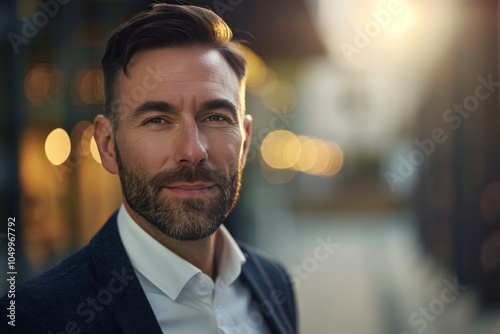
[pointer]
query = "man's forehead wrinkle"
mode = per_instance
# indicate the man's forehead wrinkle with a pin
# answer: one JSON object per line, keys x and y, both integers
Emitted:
{"x": 166, "y": 74}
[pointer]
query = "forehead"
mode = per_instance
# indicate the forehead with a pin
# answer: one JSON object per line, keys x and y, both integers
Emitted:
{"x": 178, "y": 74}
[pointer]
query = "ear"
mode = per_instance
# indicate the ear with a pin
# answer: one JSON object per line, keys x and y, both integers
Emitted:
{"x": 104, "y": 138}
{"x": 247, "y": 127}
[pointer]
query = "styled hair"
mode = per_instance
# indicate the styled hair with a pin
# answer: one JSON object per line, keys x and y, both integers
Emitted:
{"x": 166, "y": 25}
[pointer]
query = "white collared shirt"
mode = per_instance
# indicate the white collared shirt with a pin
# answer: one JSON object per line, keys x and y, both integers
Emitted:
{"x": 184, "y": 299}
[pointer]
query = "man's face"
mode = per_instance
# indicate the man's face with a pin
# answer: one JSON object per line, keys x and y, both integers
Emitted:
{"x": 181, "y": 141}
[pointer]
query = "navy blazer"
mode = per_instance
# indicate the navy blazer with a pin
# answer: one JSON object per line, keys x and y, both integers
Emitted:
{"x": 95, "y": 290}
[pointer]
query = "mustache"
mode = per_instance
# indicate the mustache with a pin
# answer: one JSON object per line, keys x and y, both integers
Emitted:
{"x": 198, "y": 173}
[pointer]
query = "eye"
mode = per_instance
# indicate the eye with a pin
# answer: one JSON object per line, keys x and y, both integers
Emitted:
{"x": 216, "y": 118}
{"x": 155, "y": 120}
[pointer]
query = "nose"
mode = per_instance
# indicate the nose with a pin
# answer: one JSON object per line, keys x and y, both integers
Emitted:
{"x": 192, "y": 146}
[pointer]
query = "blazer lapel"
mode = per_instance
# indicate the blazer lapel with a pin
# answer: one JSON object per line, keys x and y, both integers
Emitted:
{"x": 261, "y": 286}
{"x": 117, "y": 284}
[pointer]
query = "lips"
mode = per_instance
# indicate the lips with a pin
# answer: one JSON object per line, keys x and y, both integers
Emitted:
{"x": 191, "y": 189}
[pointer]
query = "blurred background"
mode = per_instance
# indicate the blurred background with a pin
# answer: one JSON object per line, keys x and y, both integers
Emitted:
{"x": 374, "y": 170}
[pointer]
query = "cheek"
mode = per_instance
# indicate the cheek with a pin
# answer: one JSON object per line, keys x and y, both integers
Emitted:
{"x": 225, "y": 150}
{"x": 144, "y": 151}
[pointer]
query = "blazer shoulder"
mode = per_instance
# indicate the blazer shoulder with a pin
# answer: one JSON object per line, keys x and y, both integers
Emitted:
{"x": 270, "y": 281}
{"x": 48, "y": 294}
{"x": 262, "y": 258}
{"x": 68, "y": 272}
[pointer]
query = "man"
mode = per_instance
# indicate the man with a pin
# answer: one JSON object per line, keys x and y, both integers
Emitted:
{"x": 176, "y": 133}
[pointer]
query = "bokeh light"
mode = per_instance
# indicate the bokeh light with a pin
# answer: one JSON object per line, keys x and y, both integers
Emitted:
{"x": 322, "y": 160}
{"x": 308, "y": 154}
{"x": 267, "y": 85}
{"x": 336, "y": 159}
{"x": 257, "y": 69}
{"x": 394, "y": 24}
{"x": 88, "y": 87}
{"x": 43, "y": 85}
{"x": 57, "y": 146}
{"x": 89, "y": 145}
{"x": 77, "y": 137}
{"x": 94, "y": 150}
{"x": 282, "y": 150}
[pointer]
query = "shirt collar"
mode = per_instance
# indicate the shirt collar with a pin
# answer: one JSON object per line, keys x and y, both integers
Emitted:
{"x": 229, "y": 257}
{"x": 154, "y": 261}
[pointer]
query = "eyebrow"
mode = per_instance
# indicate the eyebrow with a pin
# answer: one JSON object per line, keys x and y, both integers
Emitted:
{"x": 162, "y": 106}
{"x": 150, "y": 106}
{"x": 221, "y": 104}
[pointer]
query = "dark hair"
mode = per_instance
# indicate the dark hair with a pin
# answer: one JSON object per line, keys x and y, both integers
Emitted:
{"x": 166, "y": 25}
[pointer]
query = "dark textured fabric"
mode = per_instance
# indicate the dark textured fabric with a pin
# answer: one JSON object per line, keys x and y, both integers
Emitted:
{"x": 95, "y": 290}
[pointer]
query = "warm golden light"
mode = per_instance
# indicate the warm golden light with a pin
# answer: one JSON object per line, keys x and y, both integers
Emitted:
{"x": 43, "y": 84}
{"x": 94, "y": 151}
{"x": 37, "y": 84}
{"x": 308, "y": 154}
{"x": 267, "y": 85}
{"x": 322, "y": 159}
{"x": 280, "y": 149}
{"x": 77, "y": 137}
{"x": 336, "y": 160}
{"x": 88, "y": 87}
{"x": 257, "y": 70}
{"x": 57, "y": 146}
{"x": 283, "y": 150}
{"x": 395, "y": 24}
{"x": 88, "y": 144}
{"x": 86, "y": 140}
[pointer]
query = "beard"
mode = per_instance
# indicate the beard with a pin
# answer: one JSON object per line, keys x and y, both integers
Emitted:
{"x": 181, "y": 218}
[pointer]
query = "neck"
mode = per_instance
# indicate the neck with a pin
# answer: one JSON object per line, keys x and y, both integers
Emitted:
{"x": 200, "y": 253}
